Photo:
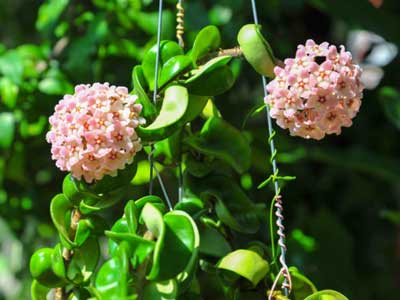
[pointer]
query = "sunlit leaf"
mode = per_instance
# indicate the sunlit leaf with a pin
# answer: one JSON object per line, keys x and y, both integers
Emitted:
{"x": 207, "y": 39}
{"x": 245, "y": 263}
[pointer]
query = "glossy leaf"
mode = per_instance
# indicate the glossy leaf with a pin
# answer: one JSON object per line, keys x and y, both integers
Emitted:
{"x": 256, "y": 49}
{"x": 195, "y": 107}
{"x": 139, "y": 247}
{"x": 84, "y": 261}
{"x": 59, "y": 207}
{"x": 7, "y": 128}
{"x": 131, "y": 215}
{"x": 173, "y": 109}
{"x": 207, "y": 39}
{"x": 110, "y": 281}
{"x": 140, "y": 85}
{"x": 177, "y": 236}
{"x": 211, "y": 79}
{"x": 190, "y": 205}
{"x": 41, "y": 267}
{"x": 223, "y": 141}
{"x": 168, "y": 49}
{"x": 38, "y": 291}
{"x": 155, "y": 200}
{"x": 162, "y": 290}
{"x": 174, "y": 67}
{"x": 326, "y": 295}
{"x": 245, "y": 263}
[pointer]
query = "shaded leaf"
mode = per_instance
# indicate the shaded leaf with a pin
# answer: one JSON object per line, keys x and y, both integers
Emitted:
{"x": 7, "y": 128}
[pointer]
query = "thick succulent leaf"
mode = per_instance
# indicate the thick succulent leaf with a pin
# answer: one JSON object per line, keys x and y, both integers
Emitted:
{"x": 211, "y": 79}
{"x": 192, "y": 205}
{"x": 139, "y": 247}
{"x": 207, "y": 39}
{"x": 185, "y": 278}
{"x": 112, "y": 278}
{"x": 256, "y": 50}
{"x": 245, "y": 263}
{"x": 175, "y": 103}
{"x": 84, "y": 261}
{"x": 223, "y": 141}
{"x": 301, "y": 285}
{"x": 177, "y": 236}
{"x": 59, "y": 207}
{"x": 41, "y": 268}
{"x": 38, "y": 291}
{"x": 212, "y": 242}
{"x": 120, "y": 226}
{"x": 140, "y": 85}
{"x": 168, "y": 49}
{"x": 168, "y": 151}
{"x": 232, "y": 206}
{"x": 195, "y": 107}
{"x": 155, "y": 200}
{"x": 174, "y": 67}
{"x": 326, "y": 295}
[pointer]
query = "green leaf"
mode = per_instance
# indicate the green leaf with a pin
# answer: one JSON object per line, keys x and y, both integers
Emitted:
{"x": 213, "y": 243}
{"x": 55, "y": 83}
{"x": 245, "y": 263}
{"x": 196, "y": 106}
{"x": 191, "y": 205}
{"x": 177, "y": 236}
{"x": 143, "y": 172}
{"x": 84, "y": 261}
{"x": 171, "y": 114}
{"x": 207, "y": 39}
{"x": 59, "y": 207}
{"x": 390, "y": 100}
{"x": 302, "y": 287}
{"x": 139, "y": 247}
{"x": 155, "y": 200}
{"x": 174, "y": 67}
{"x": 131, "y": 215}
{"x": 41, "y": 267}
{"x": 38, "y": 291}
{"x": 139, "y": 84}
{"x": 49, "y": 14}
{"x": 232, "y": 206}
{"x": 168, "y": 49}
{"x": 7, "y": 128}
{"x": 111, "y": 279}
{"x": 12, "y": 66}
{"x": 326, "y": 295}
{"x": 223, "y": 141}
{"x": 57, "y": 264}
{"x": 162, "y": 290}
{"x": 256, "y": 49}
{"x": 8, "y": 92}
{"x": 212, "y": 78}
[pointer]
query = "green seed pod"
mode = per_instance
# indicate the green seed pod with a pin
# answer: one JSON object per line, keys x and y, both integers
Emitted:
{"x": 41, "y": 268}
{"x": 256, "y": 49}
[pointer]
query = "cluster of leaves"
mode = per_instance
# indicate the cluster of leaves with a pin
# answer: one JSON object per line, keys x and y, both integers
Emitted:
{"x": 190, "y": 251}
{"x": 341, "y": 222}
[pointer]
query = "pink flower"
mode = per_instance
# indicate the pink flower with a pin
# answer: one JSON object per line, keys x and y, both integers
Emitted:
{"x": 93, "y": 131}
{"x": 317, "y": 92}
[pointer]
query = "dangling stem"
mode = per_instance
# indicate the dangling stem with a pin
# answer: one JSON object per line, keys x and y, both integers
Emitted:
{"x": 180, "y": 20}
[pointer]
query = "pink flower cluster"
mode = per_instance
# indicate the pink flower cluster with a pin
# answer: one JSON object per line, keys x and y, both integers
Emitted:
{"x": 317, "y": 92}
{"x": 93, "y": 131}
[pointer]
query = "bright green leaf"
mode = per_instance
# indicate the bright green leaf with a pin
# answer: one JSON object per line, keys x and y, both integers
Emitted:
{"x": 7, "y": 128}
{"x": 207, "y": 39}
{"x": 245, "y": 263}
{"x": 326, "y": 295}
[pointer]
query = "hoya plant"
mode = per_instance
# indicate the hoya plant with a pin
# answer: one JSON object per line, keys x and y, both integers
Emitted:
{"x": 204, "y": 241}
